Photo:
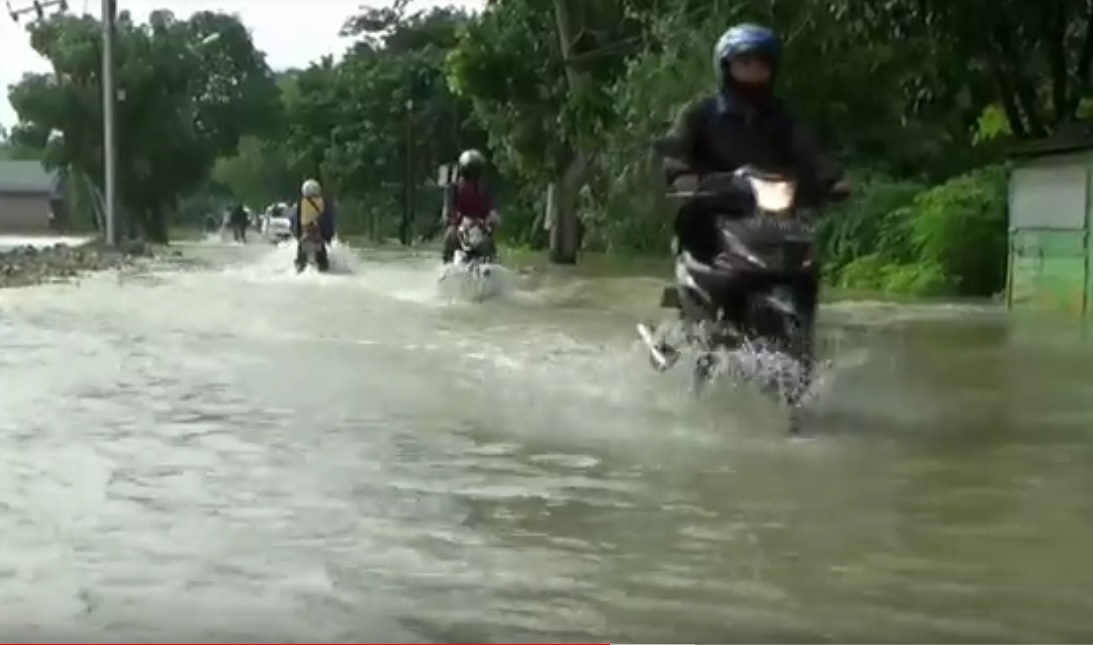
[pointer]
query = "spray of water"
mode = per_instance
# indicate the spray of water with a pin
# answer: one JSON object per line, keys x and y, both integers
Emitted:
{"x": 475, "y": 283}
{"x": 13, "y": 241}
{"x": 279, "y": 263}
{"x": 757, "y": 365}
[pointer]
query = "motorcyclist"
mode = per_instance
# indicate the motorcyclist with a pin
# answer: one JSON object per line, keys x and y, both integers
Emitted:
{"x": 237, "y": 219}
{"x": 311, "y": 215}
{"x": 468, "y": 197}
{"x": 742, "y": 123}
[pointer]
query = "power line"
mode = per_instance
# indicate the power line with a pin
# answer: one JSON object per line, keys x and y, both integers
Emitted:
{"x": 38, "y": 8}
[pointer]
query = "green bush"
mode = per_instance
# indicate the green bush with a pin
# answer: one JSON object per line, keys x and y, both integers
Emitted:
{"x": 961, "y": 226}
{"x": 950, "y": 240}
{"x": 873, "y": 222}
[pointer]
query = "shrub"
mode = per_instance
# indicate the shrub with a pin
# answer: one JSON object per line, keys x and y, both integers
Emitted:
{"x": 950, "y": 239}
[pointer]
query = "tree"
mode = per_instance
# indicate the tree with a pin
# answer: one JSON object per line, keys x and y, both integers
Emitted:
{"x": 188, "y": 91}
{"x": 1037, "y": 58}
{"x": 375, "y": 125}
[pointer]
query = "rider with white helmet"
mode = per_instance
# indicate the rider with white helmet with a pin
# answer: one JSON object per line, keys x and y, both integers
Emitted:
{"x": 313, "y": 216}
{"x": 467, "y": 197}
{"x": 311, "y": 188}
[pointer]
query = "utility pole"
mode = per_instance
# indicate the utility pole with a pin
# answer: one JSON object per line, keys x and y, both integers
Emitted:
{"x": 408, "y": 208}
{"x": 109, "y": 134}
{"x": 109, "y": 98}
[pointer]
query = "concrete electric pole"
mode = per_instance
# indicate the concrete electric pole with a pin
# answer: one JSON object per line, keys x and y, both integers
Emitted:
{"x": 109, "y": 98}
{"x": 109, "y": 134}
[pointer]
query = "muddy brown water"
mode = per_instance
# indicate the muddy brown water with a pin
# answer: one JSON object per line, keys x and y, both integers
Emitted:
{"x": 223, "y": 450}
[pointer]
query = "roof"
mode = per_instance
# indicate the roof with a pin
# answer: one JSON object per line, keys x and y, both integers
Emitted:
{"x": 25, "y": 177}
{"x": 1075, "y": 136}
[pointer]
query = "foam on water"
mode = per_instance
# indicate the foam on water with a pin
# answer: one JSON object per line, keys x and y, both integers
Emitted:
{"x": 487, "y": 281}
{"x": 407, "y": 281}
{"x": 13, "y": 241}
{"x": 279, "y": 263}
{"x": 751, "y": 365}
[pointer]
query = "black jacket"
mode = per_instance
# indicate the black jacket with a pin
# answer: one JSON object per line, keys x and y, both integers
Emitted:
{"x": 238, "y": 216}
{"x": 720, "y": 134}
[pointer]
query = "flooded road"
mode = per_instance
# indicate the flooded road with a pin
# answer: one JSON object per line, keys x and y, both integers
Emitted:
{"x": 225, "y": 451}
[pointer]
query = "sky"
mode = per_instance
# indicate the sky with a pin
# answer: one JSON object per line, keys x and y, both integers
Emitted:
{"x": 274, "y": 26}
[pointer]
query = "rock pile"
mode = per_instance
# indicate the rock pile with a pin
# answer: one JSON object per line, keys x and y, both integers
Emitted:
{"x": 28, "y": 265}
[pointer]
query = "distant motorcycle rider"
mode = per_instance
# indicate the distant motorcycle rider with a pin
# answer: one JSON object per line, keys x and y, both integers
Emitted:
{"x": 312, "y": 217}
{"x": 742, "y": 123}
{"x": 239, "y": 222}
{"x": 468, "y": 197}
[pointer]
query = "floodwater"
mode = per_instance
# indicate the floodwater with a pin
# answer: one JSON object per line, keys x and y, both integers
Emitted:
{"x": 221, "y": 450}
{"x": 8, "y": 242}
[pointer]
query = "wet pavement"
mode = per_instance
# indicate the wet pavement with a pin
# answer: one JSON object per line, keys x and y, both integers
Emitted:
{"x": 223, "y": 450}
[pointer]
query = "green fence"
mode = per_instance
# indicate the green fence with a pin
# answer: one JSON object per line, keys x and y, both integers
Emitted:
{"x": 1049, "y": 270}
{"x": 1049, "y": 216}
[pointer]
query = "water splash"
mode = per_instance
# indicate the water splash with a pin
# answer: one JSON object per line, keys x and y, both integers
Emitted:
{"x": 475, "y": 283}
{"x": 758, "y": 365}
{"x": 39, "y": 241}
{"x": 279, "y": 263}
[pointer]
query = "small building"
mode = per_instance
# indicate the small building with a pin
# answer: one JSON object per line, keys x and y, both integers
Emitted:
{"x": 28, "y": 196}
{"x": 1050, "y": 259}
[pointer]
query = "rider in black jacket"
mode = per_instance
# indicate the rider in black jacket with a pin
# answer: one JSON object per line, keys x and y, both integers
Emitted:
{"x": 742, "y": 123}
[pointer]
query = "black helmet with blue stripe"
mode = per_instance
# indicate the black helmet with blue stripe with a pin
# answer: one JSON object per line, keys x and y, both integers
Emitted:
{"x": 745, "y": 40}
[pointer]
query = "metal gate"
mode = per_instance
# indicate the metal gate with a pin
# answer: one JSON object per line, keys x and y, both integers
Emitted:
{"x": 1049, "y": 259}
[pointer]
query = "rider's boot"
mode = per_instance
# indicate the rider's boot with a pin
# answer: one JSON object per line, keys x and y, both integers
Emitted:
{"x": 450, "y": 243}
{"x": 301, "y": 258}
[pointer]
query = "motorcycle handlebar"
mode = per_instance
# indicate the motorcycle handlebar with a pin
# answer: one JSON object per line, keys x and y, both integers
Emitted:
{"x": 717, "y": 183}
{"x": 830, "y": 197}
{"x": 486, "y": 226}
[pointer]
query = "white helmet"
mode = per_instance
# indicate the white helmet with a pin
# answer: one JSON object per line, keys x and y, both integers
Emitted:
{"x": 311, "y": 188}
{"x": 471, "y": 158}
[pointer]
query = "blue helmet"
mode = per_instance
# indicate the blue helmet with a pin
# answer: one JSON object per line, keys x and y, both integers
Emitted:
{"x": 742, "y": 40}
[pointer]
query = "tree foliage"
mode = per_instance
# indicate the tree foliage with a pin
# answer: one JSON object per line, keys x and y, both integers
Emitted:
{"x": 373, "y": 126}
{"x": 917, "y": 97}
{"x": 188, "y": 90}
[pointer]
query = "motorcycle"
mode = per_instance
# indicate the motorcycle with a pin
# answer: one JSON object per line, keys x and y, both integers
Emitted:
{"x": 312, "y": 250}
{"x": 475, "y": 252}
{"x": 239, "y": 232}
{"x": 473, "y": 272}
{"x": 756, "y": 289}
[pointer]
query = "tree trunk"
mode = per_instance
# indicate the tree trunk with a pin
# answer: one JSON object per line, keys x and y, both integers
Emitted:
{"x": 155, "y": 229}
{"x": 563, "y": 235}
{"x": 1006, "y": 96}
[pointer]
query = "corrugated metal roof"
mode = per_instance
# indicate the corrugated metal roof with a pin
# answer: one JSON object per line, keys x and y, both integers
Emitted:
{"x": 1073, "y": 136}
{"x": 25, "y": 177}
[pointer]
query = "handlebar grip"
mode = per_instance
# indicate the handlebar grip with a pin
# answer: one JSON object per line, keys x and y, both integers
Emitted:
{"x": 690, "y": 194}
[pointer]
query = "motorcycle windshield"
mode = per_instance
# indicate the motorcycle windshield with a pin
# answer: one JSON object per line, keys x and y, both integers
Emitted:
{"x": 773, "y": 195}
